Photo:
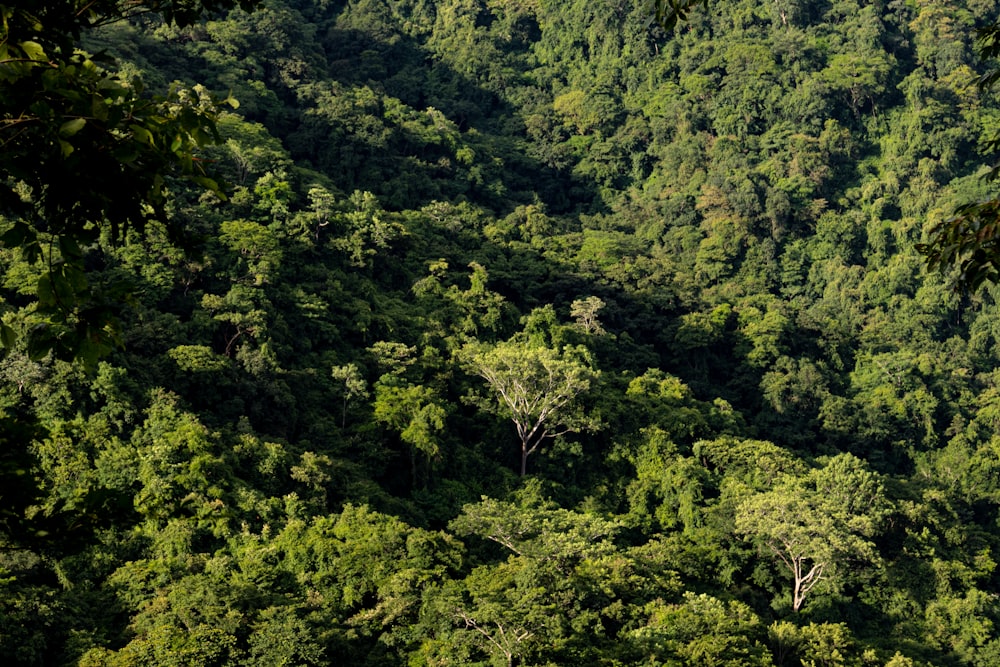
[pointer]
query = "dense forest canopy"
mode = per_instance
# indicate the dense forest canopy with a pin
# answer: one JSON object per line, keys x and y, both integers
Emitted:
{"x": 494, "y": 332}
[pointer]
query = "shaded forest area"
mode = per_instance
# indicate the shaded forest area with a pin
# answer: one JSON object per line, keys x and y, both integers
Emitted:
{"x": 527, "y": 333}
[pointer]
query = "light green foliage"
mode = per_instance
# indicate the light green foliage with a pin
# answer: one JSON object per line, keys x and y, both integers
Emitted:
{"x": 584, "y": 311}
{"x": 297, "y": 588}
{"x": 537, "y": 388}
{"x": 967, "y": 464}
{"x": 764, "y": 325}
{"x": 179, "y": 468}
{"x": 748, "y": 464}
{"x": 658, "y": 399}
{"x": 256, "y": 246}
{"x": 354, "y": 386}
{"x": 67, "y": 467}
{"x": 171, "y": 647}
{"x": 366, "y": 229}
{"x": 391, "y": 357}
{"x": 539, "y": 530}
{"x": 196, "y": 359}
{"x": 578, "y": 111}
{"x": 699, "y": 330}
{"x": 249, "y": 149}
{"x": 366, "y": 567}
{"x": 703, "y": 631}
{"x": 562, "y": 577}
{"x": 668, "y": 490}
{"x": 962, "y": 623}
{"x": 242, "y": 312}
{"x": 415, "y": 412}
{"x": 899, "y": 660}
{"x": 475, "y": 311}
{"x": 283, "y": 637}
{"x": 816, "y": 645}
{"x": 503, "y": 613}
{"x": 894, "y": 401}
{"x": 815, "y": 524}
{"x": 313, "y": 471}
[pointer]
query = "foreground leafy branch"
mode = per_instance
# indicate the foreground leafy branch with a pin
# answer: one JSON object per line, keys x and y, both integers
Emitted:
{"x": 669, "y": 13}
{"x": 85, "y": 151}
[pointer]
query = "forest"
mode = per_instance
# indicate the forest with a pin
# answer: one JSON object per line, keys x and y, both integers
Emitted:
{"x": 417, "y": 333}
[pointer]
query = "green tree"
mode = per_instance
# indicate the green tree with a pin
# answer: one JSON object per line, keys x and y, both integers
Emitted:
{"x": 539, "y": 600}
{"x": 504, "y": 612}
{"x": 539, "y": 529}
{"x": 703, "y": 631}
{"x": 537, "y": 388}
{"x": 584, "y": 311}
{"x": 814, "y": 523}
{"x": 257, "y": 248}
{"x": 413, "y": 411}
{"x": 351, "y": 384}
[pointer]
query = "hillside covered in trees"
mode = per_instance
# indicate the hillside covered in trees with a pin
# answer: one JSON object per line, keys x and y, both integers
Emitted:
{"x": 516, "y": 332}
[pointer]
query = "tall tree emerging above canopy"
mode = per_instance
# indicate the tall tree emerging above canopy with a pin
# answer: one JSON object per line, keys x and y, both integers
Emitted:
{"x": 815, "y": 523}
{"x": 537, "y": 388}
{"x": 83, "y": 150}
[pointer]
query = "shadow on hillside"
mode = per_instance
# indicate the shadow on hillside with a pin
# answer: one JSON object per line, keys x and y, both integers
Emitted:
{"x": 358, "y": 149}
{"x": 352, "y": 129}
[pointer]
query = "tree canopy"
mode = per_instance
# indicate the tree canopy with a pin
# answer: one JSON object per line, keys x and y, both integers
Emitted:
{"x": 505, "y": 333}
